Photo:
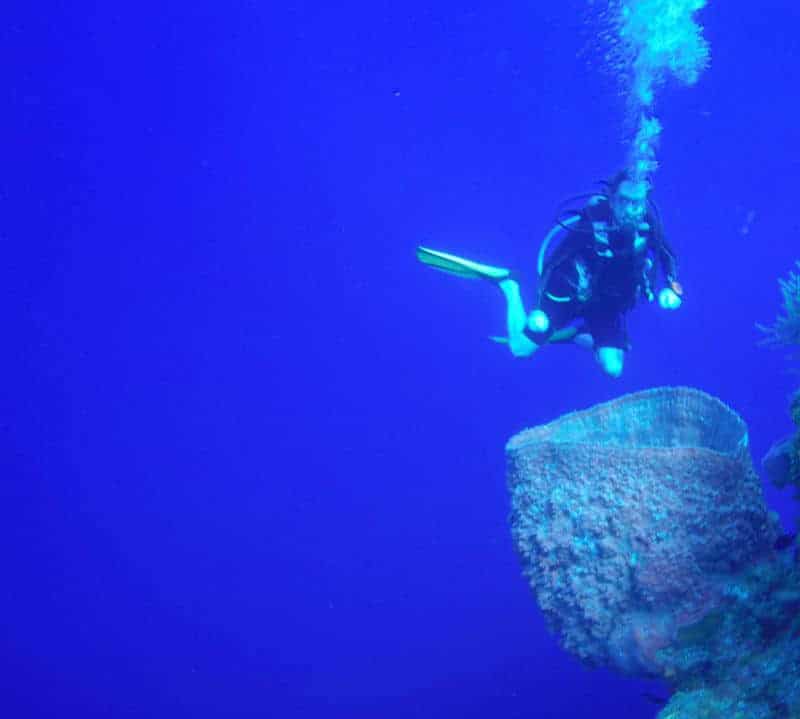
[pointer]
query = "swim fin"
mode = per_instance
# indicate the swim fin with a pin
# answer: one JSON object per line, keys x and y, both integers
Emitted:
{"x": 558, "y": 337}
{"x": 459, "y": 266}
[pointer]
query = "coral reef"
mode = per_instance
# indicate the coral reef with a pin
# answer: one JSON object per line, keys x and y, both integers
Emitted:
{"x": 643, "y": 531}
{"x": 782, "y": 462}
{"x": 785, "y": 331}
{"x": 742, "y": 660}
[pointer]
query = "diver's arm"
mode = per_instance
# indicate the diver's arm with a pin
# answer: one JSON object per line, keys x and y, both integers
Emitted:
{"x": 669, "y": 297}
{"x": 668, "y": 261}
{"x": 664, "y": 254}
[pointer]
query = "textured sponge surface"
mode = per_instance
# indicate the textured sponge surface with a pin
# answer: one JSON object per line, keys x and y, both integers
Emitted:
{"x": 630, "y": 517}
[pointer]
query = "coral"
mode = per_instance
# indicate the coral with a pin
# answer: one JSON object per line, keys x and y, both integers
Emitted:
{"x": 785, "y": 331}
{"x": 643, "y": 531}
{"x": 744, "y": 659}
{"x": 782, "y": 462}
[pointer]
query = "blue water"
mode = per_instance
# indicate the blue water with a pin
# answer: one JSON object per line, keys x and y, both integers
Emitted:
{"x": 253, "y": 451}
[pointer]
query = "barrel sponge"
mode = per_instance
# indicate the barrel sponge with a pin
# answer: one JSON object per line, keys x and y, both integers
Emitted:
{"x": 629, "y": 516}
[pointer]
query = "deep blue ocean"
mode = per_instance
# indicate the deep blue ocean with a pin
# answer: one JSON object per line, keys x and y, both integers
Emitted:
{"x": 253, "y": 450}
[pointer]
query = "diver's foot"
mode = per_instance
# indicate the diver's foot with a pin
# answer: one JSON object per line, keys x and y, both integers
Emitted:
{"x": 521, "y": 346}
{"x": 611, "y": 359}
{"x": 516, "y": 319}
{"x": 460, "y": 266}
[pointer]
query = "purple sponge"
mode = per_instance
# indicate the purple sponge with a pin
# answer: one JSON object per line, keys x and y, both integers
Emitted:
{"x": 630, "y": 517}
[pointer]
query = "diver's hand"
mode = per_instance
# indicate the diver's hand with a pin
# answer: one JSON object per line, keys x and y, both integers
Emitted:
{"x": 669, "y": 299}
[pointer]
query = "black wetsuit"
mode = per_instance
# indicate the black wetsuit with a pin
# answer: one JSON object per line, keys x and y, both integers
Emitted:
{"x": 597, "y": 274}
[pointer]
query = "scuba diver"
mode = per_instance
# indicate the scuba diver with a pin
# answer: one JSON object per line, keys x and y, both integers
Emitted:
{"x": 605, "y": 261}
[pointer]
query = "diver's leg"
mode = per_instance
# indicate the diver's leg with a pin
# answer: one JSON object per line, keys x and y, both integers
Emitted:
{"x": 516, "y": 320}
{"x": 611, "y": 359}
{"x": 551, "y": 321}
{"x": 610, "y": 339}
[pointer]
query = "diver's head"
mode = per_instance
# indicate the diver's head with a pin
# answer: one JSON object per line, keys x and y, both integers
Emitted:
{"x": 628, "y": 200}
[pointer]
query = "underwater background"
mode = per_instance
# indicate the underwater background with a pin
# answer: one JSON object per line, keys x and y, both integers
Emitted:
{"x": 254, "y": 452}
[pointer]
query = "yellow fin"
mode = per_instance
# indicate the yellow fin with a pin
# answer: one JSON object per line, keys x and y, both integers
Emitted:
{"x": 454, "y": 265}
